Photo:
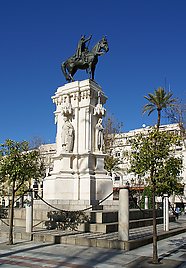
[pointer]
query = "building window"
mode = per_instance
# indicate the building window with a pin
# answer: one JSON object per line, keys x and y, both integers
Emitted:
{"x": 117, "y": 154}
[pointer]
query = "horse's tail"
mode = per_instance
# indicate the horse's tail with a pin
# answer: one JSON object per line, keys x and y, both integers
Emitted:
{"x": 63, "y": 68}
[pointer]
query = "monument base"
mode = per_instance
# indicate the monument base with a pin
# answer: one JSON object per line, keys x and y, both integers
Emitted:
{"x": 87, "y": 188}
{"x": 78, "y": 165}
{"x": 87, "y": 182}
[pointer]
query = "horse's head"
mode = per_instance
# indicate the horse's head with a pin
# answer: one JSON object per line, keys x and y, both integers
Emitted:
{"x": 103, "y": 45}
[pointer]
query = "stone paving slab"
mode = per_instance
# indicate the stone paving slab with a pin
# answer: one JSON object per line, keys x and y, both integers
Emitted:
{"x": 138, "y": 236}
{"x": 144, "y": 262}
{"x": 31, "y": 254}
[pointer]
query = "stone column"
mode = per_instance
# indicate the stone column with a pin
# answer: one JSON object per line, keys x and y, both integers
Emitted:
{"x": 123, "y": 227}
{"x": 166, "y": 212}
{"x": 146, "y": 202}
{"x": 29, "y": 212}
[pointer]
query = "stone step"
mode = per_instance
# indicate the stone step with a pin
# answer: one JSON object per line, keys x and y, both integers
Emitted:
{"x": 96, "y": 216}
{"x": 144, "y": 222}
{"x": 147, "y": 222}
{"x": 103, "y": 216}
{"x": 113, "y": 226}
{"x": 99, "y": 227}
{"x": 137, "y": 237}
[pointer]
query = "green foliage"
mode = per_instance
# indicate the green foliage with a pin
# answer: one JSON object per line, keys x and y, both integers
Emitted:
{"x": 19, "y": 165}
{"x": 65, "y": 219}
{"x": 156, "y": 152}
{"x": 147, "y": 192}
{"x": 158, "y": 101}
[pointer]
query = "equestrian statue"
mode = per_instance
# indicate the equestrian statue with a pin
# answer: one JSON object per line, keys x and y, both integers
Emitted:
{"x": 84, "y": 59}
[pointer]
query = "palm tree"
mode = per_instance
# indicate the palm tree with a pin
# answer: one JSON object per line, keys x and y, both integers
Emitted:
{"x": 158, "y": 101}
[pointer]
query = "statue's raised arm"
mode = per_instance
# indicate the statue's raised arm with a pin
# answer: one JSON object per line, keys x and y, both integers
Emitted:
{"x": 82, "y": 46}
{"x": 83, "y": 58}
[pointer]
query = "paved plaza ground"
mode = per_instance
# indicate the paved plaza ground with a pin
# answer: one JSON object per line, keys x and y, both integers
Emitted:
{"x": 171, "y": 251}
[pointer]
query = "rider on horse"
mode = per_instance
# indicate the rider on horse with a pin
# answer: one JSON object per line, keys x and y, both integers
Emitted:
{"x": 82, "y": 50}
{"x": 84, "y": 59}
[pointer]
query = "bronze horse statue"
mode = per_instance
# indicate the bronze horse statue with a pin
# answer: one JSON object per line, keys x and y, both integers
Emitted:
{"x": 87, "y": 61}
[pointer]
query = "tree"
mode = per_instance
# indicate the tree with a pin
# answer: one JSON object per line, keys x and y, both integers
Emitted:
{"x": 153, "y": 156}
{"x": 157, "y": 102}
{"x": 177, "y": 114}
{"x": 18, "y": 167}
{"x": 111, "y": 128}
{"x": 147, "y": 192}
{"x": 35, "y": 142}
{"x": 111, "y": 164}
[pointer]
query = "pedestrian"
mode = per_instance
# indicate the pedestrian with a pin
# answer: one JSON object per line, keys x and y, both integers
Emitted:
{"x": 177, "y": 212}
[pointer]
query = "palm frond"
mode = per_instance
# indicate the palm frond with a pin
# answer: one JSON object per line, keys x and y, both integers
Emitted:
{"x": 158, "y": 100}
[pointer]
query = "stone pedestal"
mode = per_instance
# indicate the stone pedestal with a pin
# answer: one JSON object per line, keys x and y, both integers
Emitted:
{"x": 146, "y": 202}
{"x": 123, "y": 224}
{"x": 29, "y": 213}
{"x": 166, "y": 212}
{"x": 78, "y": 172}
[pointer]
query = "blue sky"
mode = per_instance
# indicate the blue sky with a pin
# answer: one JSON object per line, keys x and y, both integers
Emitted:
{"x": 147, "y": 40}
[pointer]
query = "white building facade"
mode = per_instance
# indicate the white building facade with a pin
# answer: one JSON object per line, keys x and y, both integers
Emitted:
{"x": 121, "y": 146}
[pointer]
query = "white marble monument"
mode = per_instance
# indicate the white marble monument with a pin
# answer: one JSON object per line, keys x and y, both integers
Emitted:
{"x": 78, "y": 172}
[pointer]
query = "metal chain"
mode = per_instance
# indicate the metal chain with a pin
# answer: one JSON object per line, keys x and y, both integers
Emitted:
{"x": 81, "y": 210}
{"x": 4, "y": 222}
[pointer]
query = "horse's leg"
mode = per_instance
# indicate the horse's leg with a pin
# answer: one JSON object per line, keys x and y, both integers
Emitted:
{"x": 90, "y": 73}
{"x": 63, "y": 68}
{"x": 71, "y": 78}
{"x": 93, "y": 67}
{"x": 72, "y": 73}
{"x": 89, "y": 70}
